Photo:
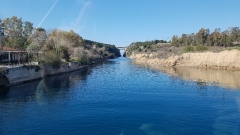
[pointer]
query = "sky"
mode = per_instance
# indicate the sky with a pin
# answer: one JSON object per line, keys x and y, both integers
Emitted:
{"x": 121, "y": 22}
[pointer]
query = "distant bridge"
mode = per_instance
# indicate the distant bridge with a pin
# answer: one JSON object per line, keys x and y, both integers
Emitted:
{"x": 121, "y": 48}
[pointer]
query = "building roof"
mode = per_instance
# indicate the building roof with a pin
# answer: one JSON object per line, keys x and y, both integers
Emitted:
{"x": 8, "y": 49}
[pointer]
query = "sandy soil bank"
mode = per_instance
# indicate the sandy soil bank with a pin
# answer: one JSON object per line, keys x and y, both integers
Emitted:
{"x": 225, "y": 60}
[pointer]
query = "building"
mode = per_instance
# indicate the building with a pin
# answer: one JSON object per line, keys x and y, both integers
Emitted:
{"x": 11, "y": 55}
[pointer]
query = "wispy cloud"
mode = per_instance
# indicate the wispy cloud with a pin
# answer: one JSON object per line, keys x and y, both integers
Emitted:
{"x": 77, "y": 23}
{"x": 82, "y": 12}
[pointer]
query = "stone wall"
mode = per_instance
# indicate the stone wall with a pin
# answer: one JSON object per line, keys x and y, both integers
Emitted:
{"x": 22, "y": 74}
{"x": 18, "y": 75}
{"x": 65, "y": 67}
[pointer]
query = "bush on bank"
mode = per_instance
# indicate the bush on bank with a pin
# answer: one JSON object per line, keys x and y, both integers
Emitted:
{"x": 51, "y": 59}
{"x": 196, "y": 48}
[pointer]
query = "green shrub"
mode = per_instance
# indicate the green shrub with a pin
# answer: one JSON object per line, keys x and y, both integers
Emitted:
{"x": 188, "y": 49}
{"x": 201, "y": 48}
{"x": 74, "y": 60}
{"x": 84, "y": 58}
{"x": 139, "y": 49}
{"x": 64, "y": 53}
{"x": 51, "y": 59}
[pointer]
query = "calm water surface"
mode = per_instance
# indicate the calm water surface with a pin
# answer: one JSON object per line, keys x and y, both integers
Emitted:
{"x": 119, "y": 98}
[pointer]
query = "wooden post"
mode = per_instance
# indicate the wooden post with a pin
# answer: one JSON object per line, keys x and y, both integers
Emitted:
{"x": 18, "y": 58}
{"x": 9, "y": 57}
{"x": 27, "y": 57}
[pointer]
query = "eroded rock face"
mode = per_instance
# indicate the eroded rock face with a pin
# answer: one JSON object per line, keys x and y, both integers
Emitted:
{"x": 226, "y": 60}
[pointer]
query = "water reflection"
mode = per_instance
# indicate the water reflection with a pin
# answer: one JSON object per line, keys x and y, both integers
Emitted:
{"x": 230, "y": 79}
{"x": 4, "y": 90}
{"x": 46, "y": 88}
{"x": 122, "y": 98}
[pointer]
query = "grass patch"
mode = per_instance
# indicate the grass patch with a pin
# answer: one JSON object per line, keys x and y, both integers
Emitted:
{"x": 201, "y": 48}
{"x": 193, "y": 49}
{"x": 237, "y": 48}
{"x": 74, "y": 60}
{"x": 188, "y": 49}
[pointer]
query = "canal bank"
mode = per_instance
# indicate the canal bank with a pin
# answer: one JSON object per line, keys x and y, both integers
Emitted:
{"x": 18, "y": 75}
{"x": 225, "y": 60}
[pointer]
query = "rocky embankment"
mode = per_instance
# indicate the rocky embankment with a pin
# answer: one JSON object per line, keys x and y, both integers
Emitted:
{"x": 225, "y": 60}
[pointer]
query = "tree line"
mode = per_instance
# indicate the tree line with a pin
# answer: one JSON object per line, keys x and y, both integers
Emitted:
{"x": 204, "y": 37}
{"x": 143, "y": 46}
{"x": 53, "y": 44}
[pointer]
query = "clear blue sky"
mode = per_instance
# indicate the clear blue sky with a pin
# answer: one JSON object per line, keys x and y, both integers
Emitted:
{"x": 122, "y": 22}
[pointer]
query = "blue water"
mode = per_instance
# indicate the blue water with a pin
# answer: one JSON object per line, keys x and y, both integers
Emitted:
{"x": 119, "y": 98}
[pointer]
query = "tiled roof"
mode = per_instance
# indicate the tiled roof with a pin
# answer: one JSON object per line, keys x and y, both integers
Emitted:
{"x": 10, "y": 49}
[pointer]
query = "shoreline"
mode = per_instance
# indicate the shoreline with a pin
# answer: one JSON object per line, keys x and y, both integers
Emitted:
{"x": 20, "y": 75}
{"x": 225, "y": 60}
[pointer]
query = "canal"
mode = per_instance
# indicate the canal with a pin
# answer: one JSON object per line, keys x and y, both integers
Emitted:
{"x": 121, "y": 98}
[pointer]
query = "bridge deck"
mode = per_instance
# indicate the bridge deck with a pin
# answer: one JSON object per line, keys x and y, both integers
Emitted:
{"x": 123, "y": 48}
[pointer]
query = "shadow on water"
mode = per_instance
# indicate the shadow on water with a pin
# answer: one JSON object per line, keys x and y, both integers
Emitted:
{"x": 46, "y": 88}
{"x": 3, "y": 80}
{"x": 4, "y": 90}
{"x": 203, "y": 77}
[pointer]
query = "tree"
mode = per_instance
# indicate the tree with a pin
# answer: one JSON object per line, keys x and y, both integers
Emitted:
{"x": 202, "y": 36}
{"x": 234, "y": 33}
{"x": 64, "y": 43}
{"x": 2, "y": 38}
{"x": 217, "y": 37}
{"x": 37, "y": 40}
{"x": 17, "y": 32}
{"x": 27, "y": 29}
{"x": 183, "y": 40}
{"x": 175, "y": 40}
{"x": 210, "y": 40}
{"x": 226, "y": 38}
{"x": 191, "y": 39}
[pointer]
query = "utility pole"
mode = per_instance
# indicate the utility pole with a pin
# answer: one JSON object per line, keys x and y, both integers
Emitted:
{"x": 225, "y": 41}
